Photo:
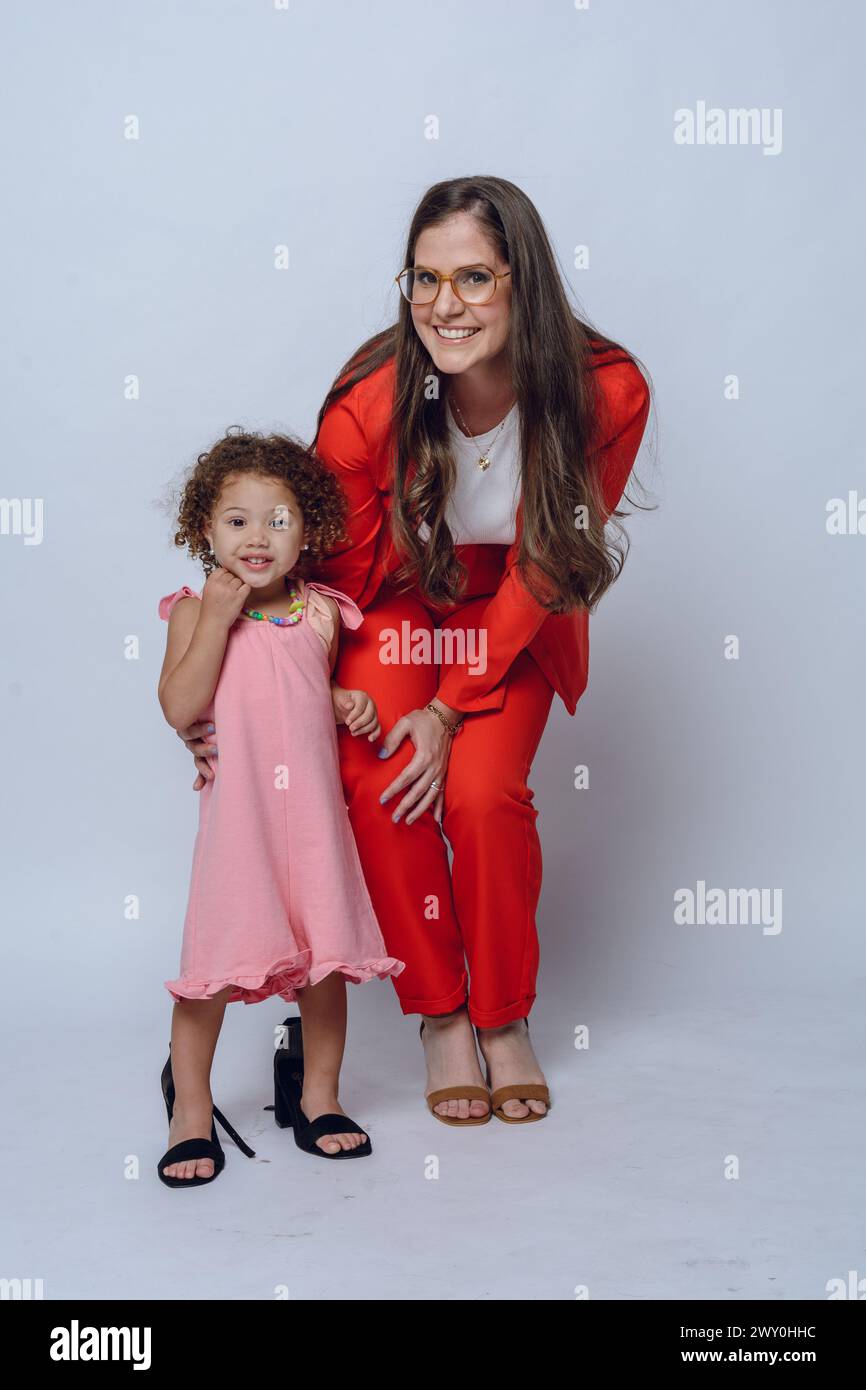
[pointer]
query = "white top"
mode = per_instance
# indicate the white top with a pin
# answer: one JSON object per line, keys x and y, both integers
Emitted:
{"x": 483, "y": 505}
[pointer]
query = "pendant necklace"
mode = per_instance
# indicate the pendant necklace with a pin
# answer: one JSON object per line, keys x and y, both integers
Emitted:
{"x": 484, "y": 460}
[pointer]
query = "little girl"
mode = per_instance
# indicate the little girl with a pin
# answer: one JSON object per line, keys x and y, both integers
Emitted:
{"x": 277, "y": 901}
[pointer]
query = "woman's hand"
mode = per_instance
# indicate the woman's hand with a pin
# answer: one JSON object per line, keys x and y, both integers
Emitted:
{"x": 432, "y": 749}
{"x": 195, "y": 740}
{"x": 357, "y": 710}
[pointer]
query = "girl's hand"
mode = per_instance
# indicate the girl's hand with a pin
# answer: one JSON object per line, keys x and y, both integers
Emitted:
{"x": 195, "y": 739}
{"x": 357, "y": 710}
{"x": 432, "y": 749}
{"x": 223, "y": 596}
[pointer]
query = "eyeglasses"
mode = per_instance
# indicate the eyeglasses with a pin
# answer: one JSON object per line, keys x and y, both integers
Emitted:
{"x": 473, "y": 284}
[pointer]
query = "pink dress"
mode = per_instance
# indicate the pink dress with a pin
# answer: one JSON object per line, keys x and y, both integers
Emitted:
{"x": 277, "y": 896}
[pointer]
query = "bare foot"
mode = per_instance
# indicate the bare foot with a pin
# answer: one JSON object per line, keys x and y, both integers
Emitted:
{"x": 192, "y": 1122}
{"x": 511, "y": 1059}
{"x": 449, "y": 1050}
{"x": 324, "y": 1102}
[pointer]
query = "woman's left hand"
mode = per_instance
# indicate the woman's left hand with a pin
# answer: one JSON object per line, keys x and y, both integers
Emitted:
{"x": 432, "y": 749}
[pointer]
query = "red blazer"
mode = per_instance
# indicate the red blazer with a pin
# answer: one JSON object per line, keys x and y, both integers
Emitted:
{"x": 352, "y": 443}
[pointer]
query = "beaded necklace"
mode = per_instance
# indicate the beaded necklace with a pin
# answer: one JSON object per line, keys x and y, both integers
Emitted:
{"x": 295, "y": 612}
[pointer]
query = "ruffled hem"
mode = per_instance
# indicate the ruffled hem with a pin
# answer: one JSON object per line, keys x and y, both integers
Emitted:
{"x": 284, "y": 978}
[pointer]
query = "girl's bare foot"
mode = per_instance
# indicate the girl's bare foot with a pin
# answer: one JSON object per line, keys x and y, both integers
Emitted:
{"x": 190, "y": 1122}
{"x": 449, "y": 1050}
{"x": 321, "y": 1101}
{"x": 511, "y": 1059}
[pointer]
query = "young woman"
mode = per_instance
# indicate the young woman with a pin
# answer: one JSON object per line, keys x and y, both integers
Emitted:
{"x": 483, "y": 442}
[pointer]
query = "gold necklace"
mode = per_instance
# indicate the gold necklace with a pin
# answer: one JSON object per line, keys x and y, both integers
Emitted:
{"x": 484, "y": 460}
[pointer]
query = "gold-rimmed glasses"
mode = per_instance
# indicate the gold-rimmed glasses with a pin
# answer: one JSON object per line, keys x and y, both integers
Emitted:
{"x": 473, "y": 284}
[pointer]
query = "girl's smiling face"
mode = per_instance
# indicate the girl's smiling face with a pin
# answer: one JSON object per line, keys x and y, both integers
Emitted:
{"x": 460, "y": 241}
{"x": 257, "y": 529}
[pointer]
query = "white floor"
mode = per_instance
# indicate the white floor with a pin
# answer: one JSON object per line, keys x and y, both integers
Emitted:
{"x": 621, "y": 1190}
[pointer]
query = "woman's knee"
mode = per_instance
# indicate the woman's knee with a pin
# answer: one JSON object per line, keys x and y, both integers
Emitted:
{"x": 365, "y": 775}
{"x": 478, "y": 798}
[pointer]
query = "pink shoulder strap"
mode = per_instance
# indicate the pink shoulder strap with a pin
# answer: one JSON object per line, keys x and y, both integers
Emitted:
{"x": 350, "y": 613}
{"x": 167, "y": 604}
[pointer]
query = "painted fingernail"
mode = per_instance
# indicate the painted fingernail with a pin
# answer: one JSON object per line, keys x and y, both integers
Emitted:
{"x": 211, "y": 728}
{"x": 395, "y": 817}
{"x": 383, "y": 752}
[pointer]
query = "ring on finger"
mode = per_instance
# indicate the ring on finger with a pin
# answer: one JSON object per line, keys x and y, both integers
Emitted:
{"x": 417, "y": 808}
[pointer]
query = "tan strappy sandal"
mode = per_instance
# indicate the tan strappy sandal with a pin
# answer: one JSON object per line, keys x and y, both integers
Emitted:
{"x": 467, "y": 1092}
{"x": 529, "y": 1090}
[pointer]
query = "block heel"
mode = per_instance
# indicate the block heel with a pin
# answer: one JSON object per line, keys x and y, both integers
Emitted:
{"x": 288, "y": 1086}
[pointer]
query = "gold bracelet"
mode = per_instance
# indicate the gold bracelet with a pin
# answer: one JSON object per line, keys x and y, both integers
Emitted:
{"x": 452, "y": 728}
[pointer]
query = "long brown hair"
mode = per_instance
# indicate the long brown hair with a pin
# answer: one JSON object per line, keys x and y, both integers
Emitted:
{"x": 551, "y": 352}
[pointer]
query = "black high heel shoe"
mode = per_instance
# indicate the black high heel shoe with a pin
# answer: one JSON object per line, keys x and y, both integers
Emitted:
{"x": 195, "y": 1148}
{"x": 288, "y": 1085}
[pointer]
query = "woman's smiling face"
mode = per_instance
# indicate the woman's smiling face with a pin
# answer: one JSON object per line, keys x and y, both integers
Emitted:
{"x": 456, "y": 242}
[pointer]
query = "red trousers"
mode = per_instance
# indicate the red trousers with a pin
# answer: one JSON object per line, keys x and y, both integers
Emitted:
{"x": 479, "y": 914}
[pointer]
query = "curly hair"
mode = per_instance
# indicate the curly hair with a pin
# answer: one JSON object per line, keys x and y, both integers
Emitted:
{"x": 318, "y": 492}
